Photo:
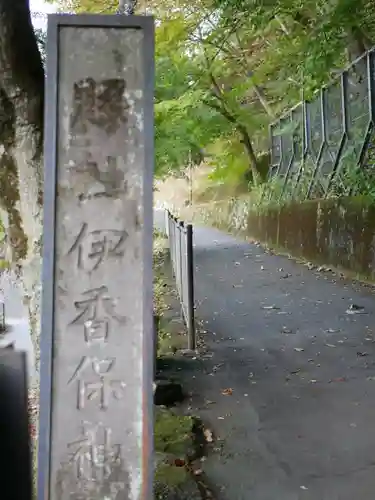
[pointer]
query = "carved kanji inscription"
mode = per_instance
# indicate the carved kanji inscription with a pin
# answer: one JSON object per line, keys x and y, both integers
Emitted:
{"x": 94, "y": 382}
{"x": 91, "y": 248}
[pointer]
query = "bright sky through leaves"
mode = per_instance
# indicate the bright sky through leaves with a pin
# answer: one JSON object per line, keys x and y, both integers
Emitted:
{"x": 39, "y": 10}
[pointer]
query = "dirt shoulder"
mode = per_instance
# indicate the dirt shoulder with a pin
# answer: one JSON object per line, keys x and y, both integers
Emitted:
{"x": 180, "y": 443}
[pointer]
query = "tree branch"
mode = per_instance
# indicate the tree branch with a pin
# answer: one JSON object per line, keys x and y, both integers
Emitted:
{"x": 221, "y": 46}
{"x": 259, "y": 92}
{"x": 218, "y": 107}
{"x": 245, "y": 137}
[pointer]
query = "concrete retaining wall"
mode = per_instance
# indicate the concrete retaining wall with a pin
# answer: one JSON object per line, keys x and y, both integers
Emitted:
{"x": 339, "y": 233}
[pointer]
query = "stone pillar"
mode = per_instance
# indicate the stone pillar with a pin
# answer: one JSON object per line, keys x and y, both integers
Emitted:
{"x": 97, "y": 323}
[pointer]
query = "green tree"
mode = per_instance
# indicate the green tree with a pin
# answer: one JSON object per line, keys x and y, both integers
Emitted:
{"x": 185, "y": 125}
{"x": 227, "y": 68}
{"x": 203, "y": 89}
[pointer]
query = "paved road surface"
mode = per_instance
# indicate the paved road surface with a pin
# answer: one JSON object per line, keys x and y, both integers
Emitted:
{"x": 290, "y": 387}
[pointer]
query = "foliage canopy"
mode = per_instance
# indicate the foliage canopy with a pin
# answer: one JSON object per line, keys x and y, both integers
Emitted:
{"x": 226, "y": 68}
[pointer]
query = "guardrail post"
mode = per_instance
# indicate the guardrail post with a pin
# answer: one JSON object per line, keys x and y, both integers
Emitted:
{"x": 173, "y": 244}
{"x": 167, "y": 219}
{"x": 180, "y": 233}
{"x": 180, "y": 238}
{"x": 190, "y": 288}
{"x": 175, "y": 253}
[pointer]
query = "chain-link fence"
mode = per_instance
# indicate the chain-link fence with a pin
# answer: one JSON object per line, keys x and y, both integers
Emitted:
{"x": 325, "y": 147}
{"x": 180, "y": 237}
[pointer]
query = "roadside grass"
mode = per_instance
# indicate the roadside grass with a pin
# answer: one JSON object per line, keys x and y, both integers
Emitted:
{"x": 172, "y": 431}
{"x": 172, "y": 441}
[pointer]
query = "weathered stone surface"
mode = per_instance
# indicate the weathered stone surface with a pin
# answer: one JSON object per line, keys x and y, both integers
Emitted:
{"x": 99, "y": 305}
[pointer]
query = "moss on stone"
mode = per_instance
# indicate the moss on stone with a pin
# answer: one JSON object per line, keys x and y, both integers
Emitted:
{"x": 172, "y": 432}
{"x": 172, "y": 441}
{"x": 170, "y": 475}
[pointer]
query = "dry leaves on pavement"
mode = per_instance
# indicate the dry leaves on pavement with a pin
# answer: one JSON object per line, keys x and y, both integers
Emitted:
{"x": 227, "y": 392}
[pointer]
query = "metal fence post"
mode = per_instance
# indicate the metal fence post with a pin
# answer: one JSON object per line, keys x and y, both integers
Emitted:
{"x": 166, "y": 213}
{"x": 170, "y": 238}
{"x": 180, "y": 238}
{"x": 172, "y": 242}
{"x": 190, "y": 288}
{"x": 180, "y": 232}
{"x": 183, "y": 263}
{"x": 175, "y": 250}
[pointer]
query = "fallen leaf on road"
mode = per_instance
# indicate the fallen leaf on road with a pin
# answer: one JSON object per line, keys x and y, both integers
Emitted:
{"x": 355, "y": 309}
{"x": 216, "y": 367}
{"x": 324, "y": 268}
{"x": 227, "y": 392}
{"x": 208, "y": 435}
{"x": 286, "y": 330}
{"x": 362, "y": 354}
{"x": 338, "y": 379}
